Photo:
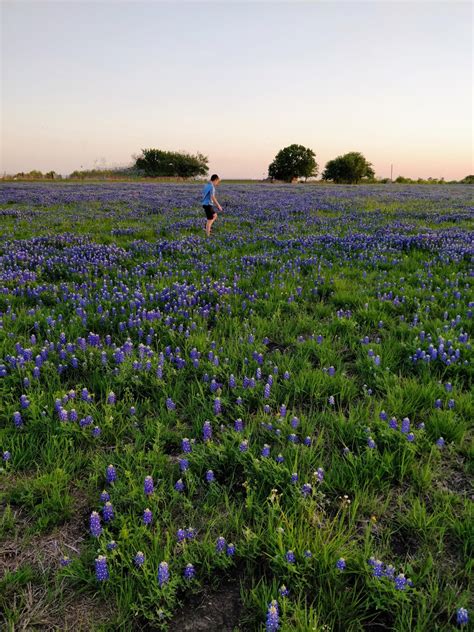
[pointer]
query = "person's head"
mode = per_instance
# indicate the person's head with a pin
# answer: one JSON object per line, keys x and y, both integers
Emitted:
{"x": 215, "y": 179}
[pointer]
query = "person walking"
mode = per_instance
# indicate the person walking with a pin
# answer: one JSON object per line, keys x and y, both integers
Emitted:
{"x": 209, "y": 200}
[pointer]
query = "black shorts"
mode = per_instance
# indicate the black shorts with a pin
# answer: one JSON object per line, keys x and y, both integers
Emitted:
{"x": 209, "y": 209}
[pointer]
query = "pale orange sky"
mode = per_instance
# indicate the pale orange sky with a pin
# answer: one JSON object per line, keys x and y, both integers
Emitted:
{"x": 90, "y": 84}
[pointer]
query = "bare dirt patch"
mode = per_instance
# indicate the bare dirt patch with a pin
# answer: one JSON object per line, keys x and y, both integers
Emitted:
{"x": 218, "y": 611}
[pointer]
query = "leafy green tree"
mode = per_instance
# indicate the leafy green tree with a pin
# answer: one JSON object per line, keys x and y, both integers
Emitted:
{"x": 348, "y": 169}
{"x": 294, "y": 161}
{"x": 159, "y": 163}
{"x": 468, "y": 180}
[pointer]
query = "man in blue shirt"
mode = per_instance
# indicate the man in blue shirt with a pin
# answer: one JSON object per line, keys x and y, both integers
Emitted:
{"x": 208, "y": 201}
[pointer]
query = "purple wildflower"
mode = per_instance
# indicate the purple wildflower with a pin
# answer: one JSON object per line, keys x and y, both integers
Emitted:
{"x": 238, "y": 425}
{"x": 110, "y": 474}
{"x": 220, "y": 544}
{"x": 111, "y": 398}
{"x": 147, "y": 516}
{"x": 265, "y": 450}
{"x": 400, "y": 582}
{"x": 17, "y": 420}
{"x": 108, "y": 512}
{"x": 210, "y": 478}
{"x": 148, "y": 486}
{"x": 341, "y": 564}
{"x": 273, "y": 619}
{"x": 94, "y": 523}
{"x": 207, "y": 431}
{"x": 244, "y": 445}
{"x": 189, "y": 572}
{"x": 230, "y": 549}
{"x": 306, "y": 489}
{"x": 186, "y": 445}
{"x": 101, "y": 571}
{"x": 290, "y": 557}
{"x": 6, "y": 456}
{"x": 284, "y": 591}
{"x": 163, "y": 573}
{"x": 179, "y": 485}
{"x": 139, "y": 559}
{"x": 462, "y": 616}
{"x": 440, "y": 442}
{"x": 170, "y": 405}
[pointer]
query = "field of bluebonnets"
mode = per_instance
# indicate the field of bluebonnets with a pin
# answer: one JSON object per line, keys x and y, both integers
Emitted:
{"x": 267, "y": 430}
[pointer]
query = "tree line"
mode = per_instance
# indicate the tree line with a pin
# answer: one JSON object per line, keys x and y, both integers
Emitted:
{"x": 292, "y": 163}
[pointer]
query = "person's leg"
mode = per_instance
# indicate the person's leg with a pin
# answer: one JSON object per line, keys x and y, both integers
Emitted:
{"x": 208, "y": 227}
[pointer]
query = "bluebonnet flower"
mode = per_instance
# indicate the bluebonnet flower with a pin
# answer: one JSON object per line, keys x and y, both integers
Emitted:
{"x": 112, "y": 545}
{"x": 183, "y": 464}
{"x": 405, "y": 425}
{"x": 440, "y": 442}
{"x": 283, "y": 410}
{"x": 279, "y": 458}
{"x": 410, "y": 437}
{"x": 181, "y": 535}
{"x": 139, "y": 559}
{"x": 306, "y": 489}
{"x": 292, "y": 438}
{"x": 217, "y": 406}
{"x": 400, "y": 582}
{"x": 331, "y": 371}
{"x": 390, "y": 571}
{"x": 94, "y": 524}
{"x": 189, "y": 572}
{"x": 341, "y": 564}
{"x": 104, "y": 497}
{"x": 266, "y": 409}
{"x": 6, "y": 456}
{"x": 220, "y": 544}
{"x": 179, "y": 485}
{"x": 438, "y": 403}
{"x": 186, "y": 445}
{"x": 62, "y": 413}
{"x": 210, "y": 478}
{"x": 448, "y": 387}
{"x": 371, "y": 443}
{"x": 266, "y": 391}
{"x": 24, "y": 401}
{"x": 383, "y": 416}
{"x": 230, "y": 549}
{"x": 307, "y": 441}
{"x": 238, "y": 425}
{"x": 320, "y": 474}
{"x": 133, "y": 410}
{"x": 148, "y": 485}
{"x": 265, "y": 450}
{"x": 244, "y": 445}
{"x": 238, "y": 401}
{"x": 96, "y": 431}
{"x": 377, "y": 568}
{"x": 272, "y": 623}
{"x": 308, "y": 554}
{"x": 72, "y": 415}
{"x": 346, "y": 451}
{"x": 393, "y": 423}
{"x": 451, "y": 404}
{"x": 294, "y": 478}
{"x": 462, "y": 616}
{"x": 290, "y": 557}
{"x": 163, "y": 573}
{"x": 232, "y": 383}
{"x": 108, "y": 512}
{"x": 286, "y": 375}
{"x": 101, "y": 571}
{"x": 294, "y": 422}
{"x": 111, "y": 398}
{"x": 207, "y": 431}
{"x": 110, "y": 474}
{"x": 170, "y": 405}
{"x": 190, "y": 533}
{"x": 284, "y": 591}
{"x": 147, "y": 516}
{"x": 331, "y": 400}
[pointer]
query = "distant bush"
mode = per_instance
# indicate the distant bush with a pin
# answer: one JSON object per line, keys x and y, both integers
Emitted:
{"x": 158, "y": 163}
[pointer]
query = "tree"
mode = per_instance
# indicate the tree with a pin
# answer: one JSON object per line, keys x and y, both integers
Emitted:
{"x": 294, "y": 161}
{"x": 348, "y": 169}
{"x": 156, "y": 163}
{"x": 468, "y": 180}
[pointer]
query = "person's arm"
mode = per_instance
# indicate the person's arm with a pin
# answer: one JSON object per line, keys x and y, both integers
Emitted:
{"x": 214, "y": 201}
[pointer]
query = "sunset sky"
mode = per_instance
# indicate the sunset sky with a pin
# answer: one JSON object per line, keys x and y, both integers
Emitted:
{"x": 91, "y": 83}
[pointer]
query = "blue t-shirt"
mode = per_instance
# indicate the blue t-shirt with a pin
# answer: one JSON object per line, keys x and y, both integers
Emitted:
{"x": 208, "y": 191}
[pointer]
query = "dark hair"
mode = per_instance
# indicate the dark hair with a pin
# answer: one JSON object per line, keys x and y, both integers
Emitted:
{"x": 214, "y": 177}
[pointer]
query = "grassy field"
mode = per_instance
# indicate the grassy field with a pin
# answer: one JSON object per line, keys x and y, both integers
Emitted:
{"x": 268, "y": 430}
